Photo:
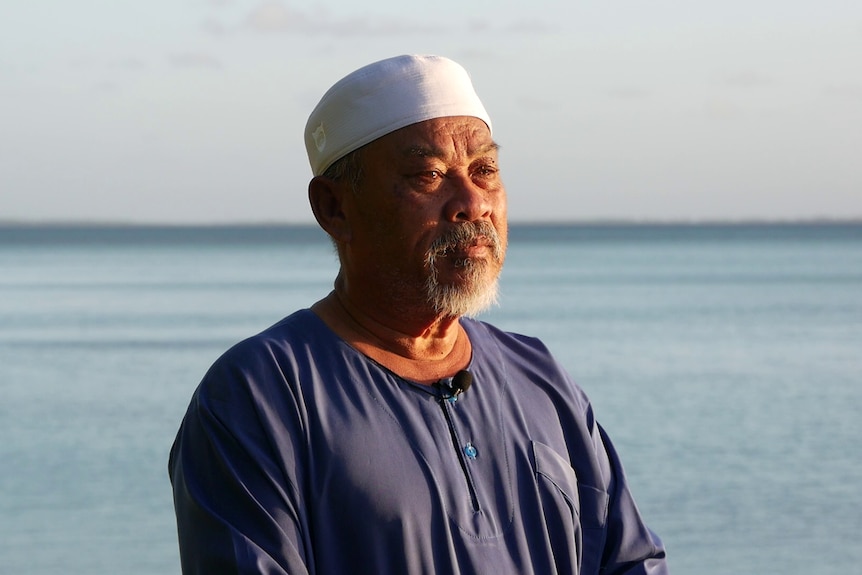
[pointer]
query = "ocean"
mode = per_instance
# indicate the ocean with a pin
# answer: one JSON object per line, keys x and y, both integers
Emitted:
{"x": 725, "y": 361}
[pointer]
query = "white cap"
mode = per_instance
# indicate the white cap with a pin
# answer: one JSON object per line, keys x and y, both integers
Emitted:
{"x": 383, "y": 97}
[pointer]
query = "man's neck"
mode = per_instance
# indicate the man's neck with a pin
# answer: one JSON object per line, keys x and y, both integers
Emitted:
{"x": 421, "y": 347}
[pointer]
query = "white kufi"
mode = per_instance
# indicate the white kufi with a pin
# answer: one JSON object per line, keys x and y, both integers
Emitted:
{"x": 383, "y": 97}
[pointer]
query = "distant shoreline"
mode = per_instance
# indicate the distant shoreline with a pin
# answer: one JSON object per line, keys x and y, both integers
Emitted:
{"x": 98, "y": 224}
{"x": 61, "y": 234}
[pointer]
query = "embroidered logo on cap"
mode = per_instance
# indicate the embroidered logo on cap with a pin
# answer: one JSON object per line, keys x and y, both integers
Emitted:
{"x": 319, "y": 136}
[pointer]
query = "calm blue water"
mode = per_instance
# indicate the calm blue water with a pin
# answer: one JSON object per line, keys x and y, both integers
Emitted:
{"x": 725, "y": 361}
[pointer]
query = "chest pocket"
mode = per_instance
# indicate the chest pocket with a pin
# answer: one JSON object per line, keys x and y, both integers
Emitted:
{"x": 573, "y": 512}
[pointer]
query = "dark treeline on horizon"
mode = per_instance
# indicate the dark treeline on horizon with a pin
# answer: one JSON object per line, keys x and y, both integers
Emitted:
{"x": 18, "y": 233}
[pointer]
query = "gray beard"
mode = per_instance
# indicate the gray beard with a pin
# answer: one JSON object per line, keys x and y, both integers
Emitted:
{"x": 479, "y": 287}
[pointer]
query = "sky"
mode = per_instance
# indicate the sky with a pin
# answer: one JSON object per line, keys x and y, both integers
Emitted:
{"x": 192, "y": 111}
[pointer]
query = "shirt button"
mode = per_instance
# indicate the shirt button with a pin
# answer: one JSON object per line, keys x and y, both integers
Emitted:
{"x": 470, "y": 451}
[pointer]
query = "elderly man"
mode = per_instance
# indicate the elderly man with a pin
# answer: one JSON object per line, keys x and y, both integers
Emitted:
{"x": 381, "y": 431}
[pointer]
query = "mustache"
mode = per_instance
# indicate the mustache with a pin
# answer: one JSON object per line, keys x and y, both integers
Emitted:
{"x": 466, "y": 235}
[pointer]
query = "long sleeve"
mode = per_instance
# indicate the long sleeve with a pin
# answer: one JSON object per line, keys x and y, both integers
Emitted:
{"x": 615, "y": 538}
{"x": 237, "y": 511}
{"x": 631, "y": 548}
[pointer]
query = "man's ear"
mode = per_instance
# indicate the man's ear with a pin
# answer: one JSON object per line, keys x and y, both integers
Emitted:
{"x": 327, "y": 197}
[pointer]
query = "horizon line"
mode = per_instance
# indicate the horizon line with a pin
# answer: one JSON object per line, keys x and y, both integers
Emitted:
{"x": 81, "y": 223}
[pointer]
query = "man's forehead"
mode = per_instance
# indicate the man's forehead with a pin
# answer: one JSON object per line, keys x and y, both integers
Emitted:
{"x": 419, "y": 151}
{"x": 442, "y": 137}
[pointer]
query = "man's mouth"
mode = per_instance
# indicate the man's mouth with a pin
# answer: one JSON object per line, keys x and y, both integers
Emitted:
{"x": 466, "y": 243}
{"x": 471, "y": 250}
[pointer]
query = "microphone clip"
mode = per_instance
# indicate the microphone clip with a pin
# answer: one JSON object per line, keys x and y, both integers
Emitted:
{"x": 454, "y": 387}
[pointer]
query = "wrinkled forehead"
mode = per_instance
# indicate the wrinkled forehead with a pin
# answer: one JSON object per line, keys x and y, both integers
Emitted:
{"x": 440, "y": 138}
{"x": 384, "y": 97}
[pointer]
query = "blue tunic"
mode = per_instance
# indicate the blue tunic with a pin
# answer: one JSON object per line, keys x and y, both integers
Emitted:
{"x": 298, "y": 455}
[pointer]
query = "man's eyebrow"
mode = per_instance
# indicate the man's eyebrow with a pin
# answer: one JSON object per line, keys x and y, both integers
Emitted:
{"x": 423, "y": 152}
{"x": 426, "y": 152}
{"x": 487, "y": 149}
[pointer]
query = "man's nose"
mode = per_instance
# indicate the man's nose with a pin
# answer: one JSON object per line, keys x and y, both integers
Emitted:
{"x": 468, "y": 202}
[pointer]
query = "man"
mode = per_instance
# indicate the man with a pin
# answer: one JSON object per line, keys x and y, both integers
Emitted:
{"x": 382, "y": 431}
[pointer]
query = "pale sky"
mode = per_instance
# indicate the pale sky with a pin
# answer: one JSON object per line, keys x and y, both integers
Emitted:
{"x": 192, "y": 111}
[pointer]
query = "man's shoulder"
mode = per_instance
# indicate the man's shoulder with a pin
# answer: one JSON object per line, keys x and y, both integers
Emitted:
{"x": 267, "y": 357}
{"x": 523, "y": 361}
{"x": 295, "y": 330}
{"x": 483, "y": 332}
{"x": 521, "y": 352}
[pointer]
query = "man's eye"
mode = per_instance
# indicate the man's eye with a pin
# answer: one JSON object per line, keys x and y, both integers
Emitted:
{"x": 428, "y": 177}
{"x": 485, "y": 171}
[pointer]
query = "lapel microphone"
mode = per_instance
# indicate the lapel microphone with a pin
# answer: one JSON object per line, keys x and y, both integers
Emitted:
{"x": 460, "y": 383}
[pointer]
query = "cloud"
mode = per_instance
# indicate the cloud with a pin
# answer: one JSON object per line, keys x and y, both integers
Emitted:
{"x": 274, "y": 16}
{"x": 723, "y": 109}
{"x": 530, "y": 26}
{"x": 214, "y": 27}
{"x": 278, "y": 17}
{"x": 852, "y": 92}
{"x": 195, "y": 60}
{"x": 630, "y": 93}
{"x": 747, "y": 79}
{"x": 105, "y": 87}
{"x": 131, "y": 63}
{"x": 479, "y": 26}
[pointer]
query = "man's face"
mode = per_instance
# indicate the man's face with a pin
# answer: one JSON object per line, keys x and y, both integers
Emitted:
{"x": 429, "y": 218}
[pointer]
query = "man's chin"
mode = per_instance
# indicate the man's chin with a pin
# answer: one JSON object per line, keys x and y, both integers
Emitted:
{"x": 463, "y": 298}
